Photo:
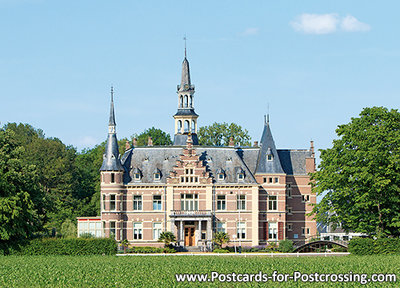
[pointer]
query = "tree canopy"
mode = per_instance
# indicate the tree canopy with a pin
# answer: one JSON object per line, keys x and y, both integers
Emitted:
{"x": 360, "y": 175}
{"x": 218, "y": 134}
{"x": 158, "y": 136}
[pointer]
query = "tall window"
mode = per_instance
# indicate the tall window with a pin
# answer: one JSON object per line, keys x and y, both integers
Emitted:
{"x": 112, "y": 202}
{"x": 305, "y": 198}
{"x": 104, "y": 202}
{"x": 137, "y": 230}
{"x": 241, "y": 230}
{"x": 221, "y": 202}
{"x": 272, "y": 203}
{"x": 289, "y": 190}
{"x": 112, "y": 178}
{"x": 221, "y": 227}
{"x": 157, "y": 202}
{"x": 112, "y": 229}
{"x": 137, "y": 202}
{"x": 189, "y": 202}
{"x": 241, "y": 202}
{"x": 272, "y": 231}
{"x": 156, "y": 230}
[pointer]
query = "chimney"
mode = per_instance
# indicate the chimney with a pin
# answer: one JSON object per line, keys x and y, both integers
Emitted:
{"x": 255, "y": 143}
{"x": 134, "y": 142}
{"x": 149, "y": 141}
{"x": 231, "y": 143}
{"x": 312, "y": 148}
{"x": 127, "y": 145}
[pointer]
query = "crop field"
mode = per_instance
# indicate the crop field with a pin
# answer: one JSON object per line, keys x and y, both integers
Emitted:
{"x": 159, "y": 271}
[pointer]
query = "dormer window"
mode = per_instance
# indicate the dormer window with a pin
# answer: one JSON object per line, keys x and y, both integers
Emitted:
{"x": 270, "y": 156}
{"x": 220, "y": 174}
{"x": 157, "y": 175}
{"x": 240, "y": 176}
{"x": 137, "y": 175}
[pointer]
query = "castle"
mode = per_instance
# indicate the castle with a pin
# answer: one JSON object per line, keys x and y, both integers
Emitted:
{"x": 255, "y": 194}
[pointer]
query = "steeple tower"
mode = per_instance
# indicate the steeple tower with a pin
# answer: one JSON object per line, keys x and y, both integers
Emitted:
{"x": 185, "y": 118}
{"x": 268, "y": 158}
{"x": 111, "y": 159}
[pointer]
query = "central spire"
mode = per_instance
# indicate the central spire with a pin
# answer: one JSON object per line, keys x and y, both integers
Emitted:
{"x": 185, "y": 118}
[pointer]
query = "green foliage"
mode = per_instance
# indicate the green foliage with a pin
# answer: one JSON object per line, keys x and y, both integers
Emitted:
{"x": 367, "y": 246}
{"x": 72, "y": 246}
{"x": 68, "y": 229}
{"x": 20, "y": 194}
{"x": 285, "y": 246}
{"x": 218, "y": 134}
{"x": 86, "y": 235}
{"x": 150, "y": 250}
{"x": 221, "y": 238}
{"x": 167, "y": 237}
{"x": 218, "y": 250}
{"x": 360, "y": 175}
{"x": 158, "y": 136}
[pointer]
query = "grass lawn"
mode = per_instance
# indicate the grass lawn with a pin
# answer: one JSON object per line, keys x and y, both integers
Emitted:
{"x": 112, "y": 271}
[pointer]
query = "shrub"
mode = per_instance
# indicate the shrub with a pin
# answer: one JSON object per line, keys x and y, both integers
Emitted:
{"x": 73, "y": 246}
{"x": 285, "y": 246}
{"x": 150, "y": 250}
{"x": 221, "y": 251}
{"x": 361, "y": 246}
{"x": 68, "y": 229}
{"x": 387, "y": 246}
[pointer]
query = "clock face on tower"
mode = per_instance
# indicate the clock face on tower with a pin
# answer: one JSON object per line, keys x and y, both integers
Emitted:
{"x": 186, "y": 86}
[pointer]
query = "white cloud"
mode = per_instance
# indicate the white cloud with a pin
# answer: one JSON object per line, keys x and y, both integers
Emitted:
{"x": 327, "y": 23}
{"x": 351, "y": 24}
{"x": 316, "y": 23}
{"x": 250, "y": 31}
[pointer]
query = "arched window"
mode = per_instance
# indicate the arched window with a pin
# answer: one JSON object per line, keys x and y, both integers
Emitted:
{"x": 181, "y": 101}
{"x": 180, "y": 126}
{"x": 193, "y": 126}
{"x": 186, "y": 125}
{"x": 186, "y": 101}
{"x": 191, "y": 101}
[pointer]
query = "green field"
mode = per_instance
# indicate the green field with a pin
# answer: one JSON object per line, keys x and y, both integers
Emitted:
{"x": 158, "y": 271}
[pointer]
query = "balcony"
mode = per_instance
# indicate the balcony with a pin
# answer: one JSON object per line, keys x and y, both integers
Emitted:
{"x": 191, "y": 213}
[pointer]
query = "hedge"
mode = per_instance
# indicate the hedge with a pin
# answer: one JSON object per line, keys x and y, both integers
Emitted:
{"x": 368, "y": 246}
{"x": 147, "y": 250}
{"x": 57, "y": 246}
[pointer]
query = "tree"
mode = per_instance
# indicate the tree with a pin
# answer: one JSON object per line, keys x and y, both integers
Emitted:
{"x": 125, "y": 244}
{"x": 20, "y": 194}
{"x": 218, "y": 134}
{"x": 68, "y": 229}
{"x": 360, "y": 175}
{"x": 158, "y": 136}
{"x": 221, "y": 238}
{"x": 167, "y": 237}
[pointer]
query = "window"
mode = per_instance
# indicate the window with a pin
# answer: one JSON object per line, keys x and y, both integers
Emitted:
{"x": 270, "y": 157}
{"x": 112, "y": 202}
{"x": 272, "y": 231}
{"x": 157, "y": 177}
{"x": 104, "y": 202}
{"x": 157, "y": 202}
{"x": 305, "y": 198}
{"x": 189, "y": 202}
{"x": 221, "y": 176}
{"x": 270, "y": 180}
{"x": 137, "y": 231}
{"x": 240, "y": 176}
{"x": 112, "y": 229}
{"x": 221, "y": 227}
{"x": 137, "y": 176}
{"x": 112, "y": 178}
{"x": 241, "y": 202}
{"x": 305, "y": 231}
{"x": 137, "y": 202}
{"x": 241, "y": 230}
{"x": 345, "y": 238}
{"x": 156, "y": 230}
{"x": 265, "y": 179}
{"x": 289, "y": 210}
{"x": 276, "y": 180}
{"x": 289, "y": 190}
{"x": 272, "y": 203}
{"x": 289, "y": 226}
{"x": 221, "y": 202}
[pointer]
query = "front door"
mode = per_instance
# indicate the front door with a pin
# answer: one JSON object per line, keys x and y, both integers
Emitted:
{"x": 189, "y": 236}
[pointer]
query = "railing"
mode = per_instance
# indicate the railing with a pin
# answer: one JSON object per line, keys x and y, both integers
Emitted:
{"x": 175, "y": 213}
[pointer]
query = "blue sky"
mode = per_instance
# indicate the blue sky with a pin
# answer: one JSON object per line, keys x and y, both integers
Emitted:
{"x": 317, "y": 64}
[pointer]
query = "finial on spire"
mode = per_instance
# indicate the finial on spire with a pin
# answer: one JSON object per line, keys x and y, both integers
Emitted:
{"x": 112, "y": 93}
{"x": 268, "y": 118}
{"x": 184, "y": 38}
{"x": 265, "y": 119}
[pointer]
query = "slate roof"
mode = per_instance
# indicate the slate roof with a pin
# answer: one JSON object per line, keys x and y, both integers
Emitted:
{"x": 180, "y": 139}
{"x": 185, "y": 112}
{"x": 148, "y": 159}
{"x": 294, "y": 161}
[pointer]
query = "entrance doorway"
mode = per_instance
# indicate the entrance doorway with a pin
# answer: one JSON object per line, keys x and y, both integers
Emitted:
{"x": 189, "y": 236}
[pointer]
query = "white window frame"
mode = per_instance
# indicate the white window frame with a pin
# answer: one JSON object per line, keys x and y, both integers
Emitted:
{"x": 241, "y": 230}
{"x": 221, "y": 202}
{"x": 113, "y": 202}
{"x": 221, "y": 226}
{"x": 157, "y": 202}
{"x": 189, "y": 202}
{"x": 241, "y": 203}
{"x": 273, "y": 231}
{"x": 137, "y": 230}
{"x": 138, "y": 202}
{"x": 273, "y": 203}
{"x": 157, "y": 230}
